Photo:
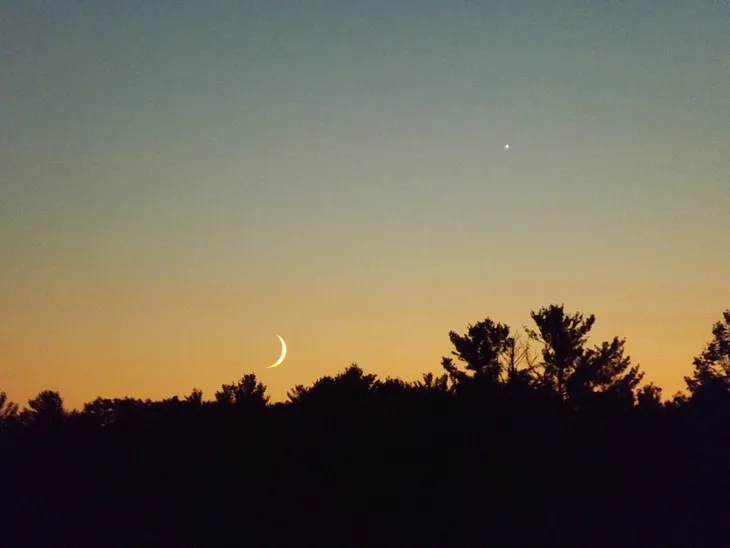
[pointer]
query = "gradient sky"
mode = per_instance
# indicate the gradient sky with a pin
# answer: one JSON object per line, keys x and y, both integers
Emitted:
{"x": 182, "y": 180}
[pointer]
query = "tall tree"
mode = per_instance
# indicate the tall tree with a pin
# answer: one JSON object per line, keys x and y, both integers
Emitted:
{"x": 483, "y": 350}
{"x": 576, "y": 372}
{"x": 563, "y": 338}
{"x": 604, "y": 369}
{"x": 712, "y": 366}
{"x": 46, "y": 409}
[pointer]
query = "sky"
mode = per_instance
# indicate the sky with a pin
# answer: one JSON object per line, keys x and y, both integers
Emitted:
{"x": 182, "y": 181}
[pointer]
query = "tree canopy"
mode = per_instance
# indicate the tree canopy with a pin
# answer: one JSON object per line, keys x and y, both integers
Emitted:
{"x": 530, "y": 437}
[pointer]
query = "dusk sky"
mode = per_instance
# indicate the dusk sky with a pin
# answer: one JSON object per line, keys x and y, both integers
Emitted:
{"x": 182, "y": 181}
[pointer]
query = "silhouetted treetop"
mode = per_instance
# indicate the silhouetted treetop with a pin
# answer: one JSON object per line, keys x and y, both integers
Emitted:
{"x": 605, "y": 369}
{"x": 246, "y": 392}
{"x": 712, "y": 366}
{"x": 481, "y": 349}
{"x": 649, "y": 396}
{"x": 563, "y": 338}
{"x": 46, "y": 409}
{"x": 351, "y": 387}
{"x": 431, "y": 383}
{"x": 8, "y": 409}
{"x": 195, "y": 397}
{"x": 106, "y": 411}
{"x": 556, "y": 448}
{"x": 575, "y": 372}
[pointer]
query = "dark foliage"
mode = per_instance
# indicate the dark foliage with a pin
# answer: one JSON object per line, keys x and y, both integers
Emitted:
{"x": 505, "y": 447}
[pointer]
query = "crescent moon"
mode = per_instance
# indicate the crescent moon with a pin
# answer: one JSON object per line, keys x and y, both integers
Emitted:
{"x": 283, "y": 354}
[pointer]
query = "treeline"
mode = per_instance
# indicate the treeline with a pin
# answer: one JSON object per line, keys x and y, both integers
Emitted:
{"x": 522, "y": 439}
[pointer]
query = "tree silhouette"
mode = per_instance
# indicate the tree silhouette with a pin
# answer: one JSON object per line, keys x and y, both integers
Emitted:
{"x": 563, "y": 338}
{"x": 46, "y": 409}
{"x": 196, "y": 397}
{"x": 712, "y": 366}
{"x": 8, "y": 410}
{"x": 351, "y": 387}
{"x": 519, "y": 362}
{"x": 246, "y": 392}
{"x": 391, "y": 388}
{"x": 105, "y": 411}
{"x": 431, "y": 383}
{"x": 488, "y": 351}
{"x": 604, "y": 369}
{"x": 678, "y": 401}
{"x": 577, "y": 373}
{"x": 485, "y": 450}
{"x": 649, "y": 397}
